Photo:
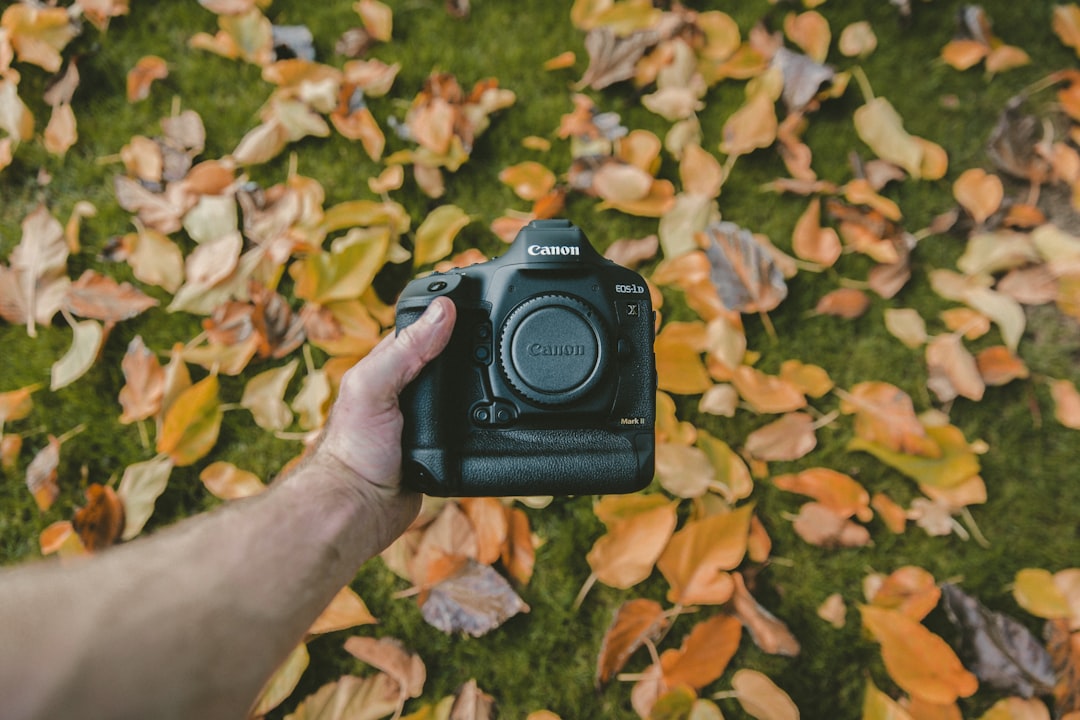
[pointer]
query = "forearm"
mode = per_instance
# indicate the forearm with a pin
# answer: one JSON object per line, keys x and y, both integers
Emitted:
{"x": 191, "y": 622}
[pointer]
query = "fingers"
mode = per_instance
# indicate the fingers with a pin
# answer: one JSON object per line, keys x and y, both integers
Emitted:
{"x": 399, "y": 359}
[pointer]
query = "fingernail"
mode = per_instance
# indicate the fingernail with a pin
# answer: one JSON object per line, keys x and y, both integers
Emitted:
{"x": 434, "y": 314}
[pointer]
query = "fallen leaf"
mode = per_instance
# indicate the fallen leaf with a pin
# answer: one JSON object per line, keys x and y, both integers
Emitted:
{"x": 529, "y": 180}
{"x": 475, "y": 601}
{"x": 789, "y": 438}
{"x": 38, "y": 34}
{"x": 139, "y": 79}
{"x": 847, "y": 303}
{"x": 881, "y": 127}
{"x": 100, "y": 522}
{"x": 769, "y": 632}
{"x": 228, "y": 482}
{"x": 910, "y": 590}
{"x": 704, "y": 653}
{"x": 1063, "y": 644}
{"x": 839, "y": 492}
{"x": 810, "y": 241}
{"x": 857, "y": 39}
{"x": 140, "y": 486}
{"x": 1066, "y": 403}
{"x": 390, "y": 656}
{"x": 761, "y": 698}
{"x": 979, "y": 192}
{"x": 264, "y": 396}
{"x": 810, "y": 31}
{"x": 695, "y": 560}
{"x": 635, "y": 623}
{"x": 613, "y": 58}
{"x": 100, "y": 297}
{"x": 884, "y": 414}
{"x": 350, "y": 698}
{"x": 833, "y": 611}
{"x": 767, "y": 394}
{"x": 346, "y": 610}
{"x": 472, "y": 703}
{"x": 999, "y": 650}
{"x": 824, "y": 527}
{"x": 435, "y": 236}
{"x": 907, "y": 326}
{"x": 743, "y": 270}
{"x": 87, "y": 337}
{"x": 916, "y": 659}
{"x": 638, "y": 530}
{"x": 1035, "y": 591}
{"x": 953, "y": 370}
{"x": 999, "y": 366}
{"x": 284, "y": 680}
{"x": 192, "y": 422}
{"x": 41, "y": 474}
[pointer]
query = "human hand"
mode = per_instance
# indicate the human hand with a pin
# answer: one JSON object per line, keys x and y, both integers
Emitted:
{"x": 362, "y": 437}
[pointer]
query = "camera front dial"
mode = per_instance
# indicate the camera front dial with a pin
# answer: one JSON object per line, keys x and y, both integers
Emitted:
{"x": 553, "y": 349}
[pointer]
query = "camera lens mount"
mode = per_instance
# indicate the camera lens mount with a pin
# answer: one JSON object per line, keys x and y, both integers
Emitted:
{"x": 553, "y": 348}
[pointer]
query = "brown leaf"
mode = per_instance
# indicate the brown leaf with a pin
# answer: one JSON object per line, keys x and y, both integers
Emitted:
{"x": 910, "y": 590}
{"x": 789, "y": 438}
{"x": 766, "y": 393}
{"x": 999, "y": 366}
{"x": 491, "y": 524}
{"x": 953, "y": 370}
{"x": 810, "y": 241}
{"x": 744, "y": 272}
{"x": 475, "y": 601}
{"x": 635, "y": 623}
{"x": 32, "y": 290}
{"x": 1063, "y": 643}
{"x": 613, "y": 58}
{"x": 979, "y": 192}
{"x": 41, "y": 474}
{"x": 101, "y": 521}
{"x": 144, "y": 383}
{"x": 769, "y": 632}
{"x": 390, "y": 656}
{"x": 100, "y": 297}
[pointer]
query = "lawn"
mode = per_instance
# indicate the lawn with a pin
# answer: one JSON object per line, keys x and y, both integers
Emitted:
{"x": 546, "y": 659}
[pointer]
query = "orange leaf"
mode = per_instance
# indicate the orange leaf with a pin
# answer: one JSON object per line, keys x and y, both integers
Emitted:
{"x": 191, "y": 425}
{"x": 529, "y": 180}
{"x": 999, "y": 366}
{"x": 847, "y": 303}
{"x": 964, "y": 54}
{"x": 639, "y": 528}
{"x": 952, "y": 368}
{"x": 839, "y": 492}
{"x": 1066, "y": 25}
{"x": 769, "y": 632}
{"x": 918, "y": 661}
{"x": 228, "y": 482}
{"x": 812, "y": 242}
{"x": 1066, "y": 403}
{"x": 767, "y": 393}
{"x": 489, "y": 519}
{"x": 752, "y": 126}
{"x": 38, "y": 34}
{"x": 704, "y": 654}
{"x": 822, "y": 526}
{"x": 101, "y": 521}
{"x": 16, "y": 404}
{"x": 979, "y": 192}
{"x": 893, "y": 515}
{"x": 679, "y": 366}
{"x": 884, "y": 414}
{"x": 635, "y": 622}
{"x": 519, "y": 551}
{"x": 148, "y": 69}
{"x": 810, "y": 31}
{"x": 697, "y": 556}
{"x": 378, "y": 18}
{"x": 61, "y": 538}
{"x": 909, "y": 590}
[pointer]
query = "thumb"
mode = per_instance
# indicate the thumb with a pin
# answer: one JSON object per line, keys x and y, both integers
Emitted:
{"x": 400, "y": 358}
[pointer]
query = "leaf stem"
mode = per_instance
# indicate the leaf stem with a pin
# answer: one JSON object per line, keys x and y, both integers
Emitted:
{"x": 589, "y": 582}
{"x": 863, "y": 82}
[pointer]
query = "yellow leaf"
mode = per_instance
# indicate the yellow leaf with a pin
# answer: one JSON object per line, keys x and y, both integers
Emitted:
{"x": 881, "y": 127}
{"x": 918, "y": 661}
{"x": 86, "y": 340}
{"x": 345, "y": 611}
{"x": 61, "y": 132}
{"x": 529, "y": 180}
{"x": 810, "y": 31}
{"x": 879, "y": 706}
{"x": 626, "y": 554}
{"x": 955, "y": 466}
{"x": 679, "y": 366}
{"x": 344, "y": 272}
{"x": 264, "y": 397}
{"x": 377, "y": 17}
{"x": 695, "y": 561}
{"x": 38, "y": 34}
{"x": 1066, "y": 24}
{"x": 191, "y": 425}
{"x": 140, "y": 487}
{"x": 1036, "y": 592}
{"x": 751, "y": 127}
{"x": 283, "y": 681}
{"x": 435, "y": 236}
{"x": 228, "y": 482}
{"x": 767, "y": 393}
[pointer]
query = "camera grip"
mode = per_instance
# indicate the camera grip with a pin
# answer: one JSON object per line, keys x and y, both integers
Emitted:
{"x": 555, "y": 462}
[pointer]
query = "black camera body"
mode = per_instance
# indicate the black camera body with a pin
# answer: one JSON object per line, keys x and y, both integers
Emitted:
{"x": 548, "y": 384}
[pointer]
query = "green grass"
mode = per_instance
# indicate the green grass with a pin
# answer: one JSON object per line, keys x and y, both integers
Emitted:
{"x": 546, "y": 659}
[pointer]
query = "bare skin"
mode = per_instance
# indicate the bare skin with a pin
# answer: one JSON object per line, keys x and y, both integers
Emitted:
{"x": 191, "y": 622}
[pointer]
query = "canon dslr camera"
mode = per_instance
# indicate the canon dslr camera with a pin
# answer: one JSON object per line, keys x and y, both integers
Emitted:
{"x": 548, "y": 385}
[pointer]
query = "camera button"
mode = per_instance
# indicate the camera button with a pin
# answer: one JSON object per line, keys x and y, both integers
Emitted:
{"x": 482, "y": 415}
{"x": 502, "y": 415}
{"x": 482, "y": 354}
{"x": 436, "y": 286}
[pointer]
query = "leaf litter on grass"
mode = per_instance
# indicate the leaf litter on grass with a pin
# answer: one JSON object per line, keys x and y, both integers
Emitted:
{"x": 274, "y": 272}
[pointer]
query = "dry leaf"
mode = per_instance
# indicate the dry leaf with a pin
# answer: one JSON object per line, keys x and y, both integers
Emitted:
{"x": 140, "y": 487}
{"x": 769, "y": 632}
{"x": 264, "y": 396}
{"x": 704, "y": 653}
{"x": 139, "y": 79}
{"x": 847, "y": 303}
{"x": 1066, "y": 403}
{"x": 839, "y": 492}
{"x": 907, "y": 326}
{"x": 284, "y": 680}
{"x": 979, "y": 192}
{"x": 881, "y": 127}
{"x": 346, "y": 610}
{"x": 910, "y": 590}
{"x": 696, "y": 558}
{"x": 885, "y": 414}
{"x": 435, "y": 236}
{"x": 351, "y": 698}
{"x": 857, "y": 39}
{"x": 822, "y": 526}
{"x": 761, "y": 698}
{"x": 639, "y": 528}
{"x": 833, "y": 611}
{"x": 390, "y": 656}
{"x": 918, "y": 661}
{"x": 41, "y": 474}
{"x": 228, "y": 482}
{"x": 743, "y": 270}
{"x": 192, "y": 422}
{"x": 475, "y": 600}
{"x": 789, "y": 438}
{"x": 953, "y": 370}
{"x": 767, "y": 394}
{"x": 635, "y": 623}
{"x": 810, "y": 241}
{"x": 86, "y": 340}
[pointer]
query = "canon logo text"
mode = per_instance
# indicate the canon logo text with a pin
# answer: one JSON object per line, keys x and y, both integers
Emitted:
{"x": 536, "y": 349}
{"x": 554, "y": 250}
